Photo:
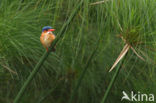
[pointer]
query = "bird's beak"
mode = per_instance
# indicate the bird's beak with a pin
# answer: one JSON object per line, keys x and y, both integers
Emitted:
{"x": 51, "y": 29}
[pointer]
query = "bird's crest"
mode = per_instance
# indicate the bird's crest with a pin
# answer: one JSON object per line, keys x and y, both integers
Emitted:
{"x": 46, "y": 28}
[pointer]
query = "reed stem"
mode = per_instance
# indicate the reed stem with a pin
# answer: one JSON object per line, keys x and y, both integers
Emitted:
{"x": 112, "y": 81}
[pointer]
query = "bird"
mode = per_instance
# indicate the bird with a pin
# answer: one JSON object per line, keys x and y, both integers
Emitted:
{"x": 47, "y": 37}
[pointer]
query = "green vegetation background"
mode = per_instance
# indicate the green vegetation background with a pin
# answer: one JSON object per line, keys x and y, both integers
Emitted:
{"x": 21, "y": 22}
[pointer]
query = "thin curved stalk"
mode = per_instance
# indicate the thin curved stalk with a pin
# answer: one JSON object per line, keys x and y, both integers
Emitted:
{"x": 45, "y": 55}
{"x": 112, "y": 81}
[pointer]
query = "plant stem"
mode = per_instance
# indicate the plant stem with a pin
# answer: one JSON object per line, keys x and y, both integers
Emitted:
{"x": 44, "y": 57}
{"x": 112, "y": 82}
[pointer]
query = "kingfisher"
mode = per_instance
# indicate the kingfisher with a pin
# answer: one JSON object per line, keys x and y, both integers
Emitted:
{"x": 47, "y": 37}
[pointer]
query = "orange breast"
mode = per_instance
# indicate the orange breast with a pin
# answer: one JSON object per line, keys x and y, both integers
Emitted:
{"x": 46, "y": 39}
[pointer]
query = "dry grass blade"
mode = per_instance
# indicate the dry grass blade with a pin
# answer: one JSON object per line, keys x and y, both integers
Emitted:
{"x": 137, "y": 54}
{"x": 98, "y": 2}
{"x": 122, "y": 54}
{"x": 10, "y": 70}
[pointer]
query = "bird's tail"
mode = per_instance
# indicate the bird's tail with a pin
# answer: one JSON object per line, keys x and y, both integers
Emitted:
{"x": 53, "y": 49}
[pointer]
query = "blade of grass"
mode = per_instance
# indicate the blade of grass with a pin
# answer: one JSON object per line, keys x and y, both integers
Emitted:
{"x": 98, "y": 2}
{"x": 10, "y": 70}
{"x": 122, "y": 54}
{"x": 45, "y": 55}
{"x": 137, "y": 54}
